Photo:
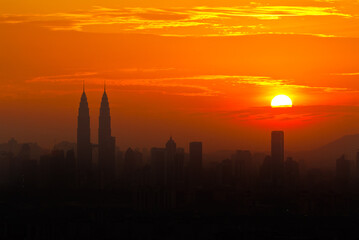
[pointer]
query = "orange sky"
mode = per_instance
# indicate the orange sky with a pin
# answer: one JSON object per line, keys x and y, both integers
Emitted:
{"x": 199, "y": 70}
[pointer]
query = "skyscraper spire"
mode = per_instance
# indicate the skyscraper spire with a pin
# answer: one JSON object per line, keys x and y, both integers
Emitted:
{"x": 83, "y": 86}
{"x": 106, "y": 143}
{"x": 84, "y": 147}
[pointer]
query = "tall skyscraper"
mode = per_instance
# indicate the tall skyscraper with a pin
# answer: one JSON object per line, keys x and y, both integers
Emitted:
{"x": 84, "y": 148}
{"x": 343, "y": 172}
{"x": 170, "y": 155}
{"x": 277, "y": 148}
{"x": 291, "y": 172}
{"x": 277, "y": 154}
{"x": 179, "y": 167}
{"x": 106, "y": 144}
{"x": 195, "y": 162}
{"x": 157, "y": 162}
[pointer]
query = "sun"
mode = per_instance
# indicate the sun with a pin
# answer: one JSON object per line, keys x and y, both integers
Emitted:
{"x": 281, "y": 101}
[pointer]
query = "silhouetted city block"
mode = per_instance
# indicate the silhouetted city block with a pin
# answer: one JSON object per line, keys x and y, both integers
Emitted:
{"x": 195, "y": 163}
{"x": 82, "y": 189}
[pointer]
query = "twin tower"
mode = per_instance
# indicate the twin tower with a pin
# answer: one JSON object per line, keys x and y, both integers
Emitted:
{"x": 104, "y": 172}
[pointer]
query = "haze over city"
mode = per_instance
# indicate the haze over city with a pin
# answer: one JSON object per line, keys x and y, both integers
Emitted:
{"x": 196, "y": 70}
{"x": 190, "y": 119}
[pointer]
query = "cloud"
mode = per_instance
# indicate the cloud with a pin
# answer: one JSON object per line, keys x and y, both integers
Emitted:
{"x": 121, "y": 82}
{"x": 347, "y": 74}
{"x": 294, "y": 114}
{"x": 201, "y": 20}
{"x": 168, "y": 81}
{"x": 265, "y": 81}
{"x": 268, "y": 12}
{"x": 79, "y": 76}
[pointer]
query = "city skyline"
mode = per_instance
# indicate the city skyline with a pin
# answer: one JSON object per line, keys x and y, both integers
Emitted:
{"x": 191, "y": 119}
{"x": 170, "y": 181}
{"x": 242, "y": 137}
{"x": 242, "y": 143}
{"x": 94, "y": 129}
{"x": 229, "y": 61}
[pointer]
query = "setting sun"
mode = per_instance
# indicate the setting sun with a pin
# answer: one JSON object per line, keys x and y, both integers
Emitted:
{"x": 281, "y": 101}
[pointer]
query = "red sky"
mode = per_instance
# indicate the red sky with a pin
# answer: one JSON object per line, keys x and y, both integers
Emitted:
{"x": 199, "y": 70}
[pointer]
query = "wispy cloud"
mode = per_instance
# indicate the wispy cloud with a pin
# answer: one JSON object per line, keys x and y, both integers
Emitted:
{"x": 347, "y": 74}
{"x": 296, "y": 114}
{"x": 265, "y": 81}
{"x": 268, "y": 12}
{"x": 117, "y": 81}
{"x": 79, "y": 76}
{"x": 202, "y": 20}
{"x": 165, "y": 81}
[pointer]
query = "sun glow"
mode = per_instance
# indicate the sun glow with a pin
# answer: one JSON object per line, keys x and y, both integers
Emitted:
{"x": 281, "y": 101}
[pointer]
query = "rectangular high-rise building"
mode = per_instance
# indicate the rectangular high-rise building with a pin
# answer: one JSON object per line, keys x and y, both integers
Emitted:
{"x": 343, "y": 171}
{"x": 277, "y": 146}
{"x": 195, "y": 162}
{"x": 277, "y": 157}
{"x": 157, "y": 163}
{"x": 242, "y": 160}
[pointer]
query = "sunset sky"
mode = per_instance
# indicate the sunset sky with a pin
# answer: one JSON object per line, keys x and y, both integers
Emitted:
{"x": 198, "y": 70}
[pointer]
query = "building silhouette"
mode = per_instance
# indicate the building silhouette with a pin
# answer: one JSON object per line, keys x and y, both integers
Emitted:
{"x": 179, "y": 173}
{"x": 291, "y": 172}
{"x": 195, "y": 163}
{"x": 226, "y": 172}
{"x": 157, "y": 163}
{"x": 277, "y": 156}
{"x": 170, "y": 155}
{"x": 106, "y": 144}
{"x": 342, "y": 171}
{"x": 242, "y": 160}
{"x": 266, "y": 171}
{"x": 277, "y": 146}
{"x": 357, "y": 166}
{"x": 131, "y": 165}
{"x": 84, "y": 148}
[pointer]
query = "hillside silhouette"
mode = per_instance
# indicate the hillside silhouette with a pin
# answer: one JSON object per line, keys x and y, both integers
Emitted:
{"x": 325, "y": 156}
